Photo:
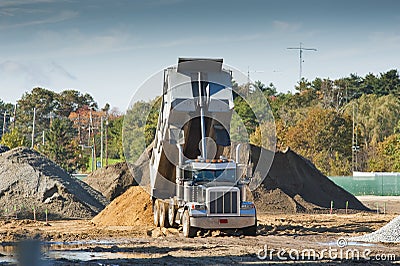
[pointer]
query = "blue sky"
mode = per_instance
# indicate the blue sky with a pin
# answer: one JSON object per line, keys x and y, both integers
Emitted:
{"x": 108, "y": 48}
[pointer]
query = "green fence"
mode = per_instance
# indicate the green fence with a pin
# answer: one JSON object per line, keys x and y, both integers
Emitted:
{"x": 375, "y": 184}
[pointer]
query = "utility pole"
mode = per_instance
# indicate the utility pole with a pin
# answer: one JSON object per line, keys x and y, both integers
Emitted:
{"x": 33, "y": 128}
{"x": 79, "y": 129}
{"x": 354, "y": 146}
{"x": 94, "y": 163}
{"x": 90, "y": 128}
{"x": 4, "y": 122}
{"x": 106, "y": 140}
{"x": 101, "y": 141}
{"x": 301, "y": 49}
{"x": 15, "y": 115}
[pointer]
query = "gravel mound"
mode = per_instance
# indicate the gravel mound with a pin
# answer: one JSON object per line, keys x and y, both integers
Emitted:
{"x": 29, "y": 181}
{"x": 390, "y": 233}
{"x": 294, "y": 184}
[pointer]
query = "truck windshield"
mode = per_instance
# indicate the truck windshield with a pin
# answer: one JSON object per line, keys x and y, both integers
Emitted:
{"x": 226, "y": 175}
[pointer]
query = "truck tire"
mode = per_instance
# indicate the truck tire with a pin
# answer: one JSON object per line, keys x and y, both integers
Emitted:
{"x": 163, "y": 215}
{"x": 188, "y": 230}
{"x": 251, "y": 230}
{"x": 156, "y": 212}
{"x": 172, "y": 214}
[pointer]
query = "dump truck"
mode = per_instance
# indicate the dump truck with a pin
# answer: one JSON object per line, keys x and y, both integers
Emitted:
{"x": 193, "y": 184}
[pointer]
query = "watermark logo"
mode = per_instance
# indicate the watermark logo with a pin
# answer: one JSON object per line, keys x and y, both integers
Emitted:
{"x": 341, "y": 242}
{"x": 342, "y": 251}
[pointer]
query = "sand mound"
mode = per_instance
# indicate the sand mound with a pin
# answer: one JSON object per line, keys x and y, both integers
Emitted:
{"x": 29, "y": 180}
{"x": 114, "y": 180}
{"x": 296, "y": 185}
{"x": 133, "y": 208}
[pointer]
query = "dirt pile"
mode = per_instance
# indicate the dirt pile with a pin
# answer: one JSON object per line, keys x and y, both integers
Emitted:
{"x": 294, "y": 184}
{"x": 113, "y": 180}
{"x": 29, "y": 182}
{"x": 132, "y": 208}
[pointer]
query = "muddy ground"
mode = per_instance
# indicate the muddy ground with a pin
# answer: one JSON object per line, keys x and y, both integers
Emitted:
{"x": 286, "y": 239}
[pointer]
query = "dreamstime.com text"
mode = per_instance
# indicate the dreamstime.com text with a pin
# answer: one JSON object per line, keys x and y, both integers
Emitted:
{"x": 341, "y": 252}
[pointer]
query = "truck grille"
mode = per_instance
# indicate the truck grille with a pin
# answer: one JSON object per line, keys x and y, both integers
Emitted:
{"x": 223, "y": 202}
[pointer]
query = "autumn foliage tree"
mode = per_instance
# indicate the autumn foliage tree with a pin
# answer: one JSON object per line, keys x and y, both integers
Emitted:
{"x": 13, "y": 139}
{"x": 388, "y": 155}
{"x": 324, "y": 137}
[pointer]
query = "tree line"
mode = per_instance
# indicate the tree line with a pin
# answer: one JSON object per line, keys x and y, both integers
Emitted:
{"x": 343, "y": 125}
{"x": 65, "y": 126}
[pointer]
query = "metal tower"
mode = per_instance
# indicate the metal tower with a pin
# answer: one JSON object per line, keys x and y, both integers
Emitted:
{"x": 301, "y": 49}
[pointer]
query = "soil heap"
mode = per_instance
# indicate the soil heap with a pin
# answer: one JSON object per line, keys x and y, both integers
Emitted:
{"x": 132, "y": 208}
{"x": 29, "y": 181}
{"x": 113, "y": 180}
{"x": 294, "y": 184}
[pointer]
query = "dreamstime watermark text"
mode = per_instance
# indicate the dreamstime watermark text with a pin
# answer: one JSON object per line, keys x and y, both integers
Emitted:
{"x": 339, "y": 252}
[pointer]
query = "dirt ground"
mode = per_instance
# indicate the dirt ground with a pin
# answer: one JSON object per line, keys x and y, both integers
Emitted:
{"x": 281, "y": 239}
{"x": 382, "y": 204}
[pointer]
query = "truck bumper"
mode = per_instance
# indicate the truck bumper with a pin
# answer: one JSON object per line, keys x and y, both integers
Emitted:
{"x": 222, "y": 222}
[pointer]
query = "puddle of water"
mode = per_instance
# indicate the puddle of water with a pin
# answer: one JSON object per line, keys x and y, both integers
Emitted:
{"x": 361, "y": 244}
{"x": 87, "y": 256}
{"x": 75, "y": 250}
{"x": 350, "y": 243}
{"x": 7, "y": 259}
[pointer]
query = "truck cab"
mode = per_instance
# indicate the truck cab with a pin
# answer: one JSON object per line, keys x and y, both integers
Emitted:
{"x": 214, "y": 198}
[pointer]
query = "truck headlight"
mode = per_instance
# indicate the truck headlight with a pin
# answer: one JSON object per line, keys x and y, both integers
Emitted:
{"x": 247, "y": 205}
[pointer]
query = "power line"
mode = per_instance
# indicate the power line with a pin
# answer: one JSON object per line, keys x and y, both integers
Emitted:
{"x": 301, "y": 49}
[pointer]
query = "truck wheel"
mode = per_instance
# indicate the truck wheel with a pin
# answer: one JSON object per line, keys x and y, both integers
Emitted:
{"x": 171, "y": 214}
{"x": 163, "y": 215}
{"x": 188, "y": 230}
{"x": 251, "y": 230}
{"x": 156, "y": 212}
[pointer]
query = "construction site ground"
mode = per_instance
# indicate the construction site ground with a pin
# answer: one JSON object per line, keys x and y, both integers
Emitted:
{"x": 282, "y": 238}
